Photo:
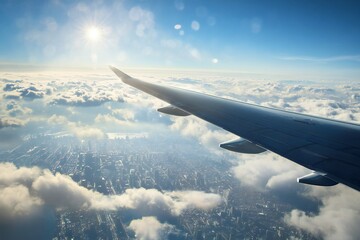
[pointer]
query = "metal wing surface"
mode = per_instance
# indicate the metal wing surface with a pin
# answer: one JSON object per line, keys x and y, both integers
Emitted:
{"x": 330, "y": 148}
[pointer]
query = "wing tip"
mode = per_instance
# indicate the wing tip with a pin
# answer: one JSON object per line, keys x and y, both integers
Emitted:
{"x": 112, "y": 68}
{"x": 123, "y": 76}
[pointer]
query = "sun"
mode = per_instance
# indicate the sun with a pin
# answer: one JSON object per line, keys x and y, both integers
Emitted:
{"x": 93, "y": 34}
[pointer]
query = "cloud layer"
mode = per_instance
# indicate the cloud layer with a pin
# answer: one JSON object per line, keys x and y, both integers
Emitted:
{"x": 268, "y": 171}
{"x": 91, "y": 105}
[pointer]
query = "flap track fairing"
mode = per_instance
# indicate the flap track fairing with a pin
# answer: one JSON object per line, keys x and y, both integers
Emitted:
{"x": 242, "y": 146}
{"x": 317, "y": 178}
{"x": 171, "y": 110}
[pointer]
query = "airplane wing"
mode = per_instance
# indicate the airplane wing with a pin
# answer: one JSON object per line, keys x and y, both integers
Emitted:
{"x": 330, "y": 148}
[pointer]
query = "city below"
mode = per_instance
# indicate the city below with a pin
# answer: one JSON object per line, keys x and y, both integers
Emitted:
{"x": 111, "y": 166}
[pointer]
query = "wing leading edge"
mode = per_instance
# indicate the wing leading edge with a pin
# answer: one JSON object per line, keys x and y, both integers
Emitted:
{"x": 328, "y": 147}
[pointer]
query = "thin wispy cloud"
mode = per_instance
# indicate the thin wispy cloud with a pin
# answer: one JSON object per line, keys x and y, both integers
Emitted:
{"x": 345, "y": 58}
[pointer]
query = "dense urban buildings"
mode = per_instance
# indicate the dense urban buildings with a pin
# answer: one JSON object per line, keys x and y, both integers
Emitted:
{"x": 110, "y": 166}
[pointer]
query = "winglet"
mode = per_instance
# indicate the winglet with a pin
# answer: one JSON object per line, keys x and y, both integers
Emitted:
{"x": 123, "y": 76}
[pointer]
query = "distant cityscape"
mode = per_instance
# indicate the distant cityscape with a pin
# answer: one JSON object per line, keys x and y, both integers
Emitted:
{"x": 111, "y": 166}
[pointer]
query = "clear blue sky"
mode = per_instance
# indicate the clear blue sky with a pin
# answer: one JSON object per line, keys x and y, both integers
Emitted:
{"x": 254, "y": 36}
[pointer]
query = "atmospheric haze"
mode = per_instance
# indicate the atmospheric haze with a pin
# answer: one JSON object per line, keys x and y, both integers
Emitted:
{"x": 82, "y": 154}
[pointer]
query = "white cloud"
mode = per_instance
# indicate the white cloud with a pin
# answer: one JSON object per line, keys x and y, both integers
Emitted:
{"x": 57, "y": 119}
{"x": 173, "y": 202}
{"x": 15, "y": 109}
{"x": 194, "y": 199}
{"x": 109, "y": 119}
{"x": 268, "y": 170}
{"x": 149, "y": 228}
{"x": 194, "y": 127}
{"x": 84, "y": 131}
{"x": 81, "y": 96}
{"x": 23, "y": 189}
{"x": 76, "y": 91}
{"x": 16, "y": 201}
{"x": 6, "y": 121}
{"x": 338, "y": 216}
{"x": 26, "y": 90}
{"x": 124, "y": 113}
{"x": 81, "y": 131}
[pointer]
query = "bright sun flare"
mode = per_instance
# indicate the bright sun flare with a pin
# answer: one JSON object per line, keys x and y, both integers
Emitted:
{"x": 93, "y": 34}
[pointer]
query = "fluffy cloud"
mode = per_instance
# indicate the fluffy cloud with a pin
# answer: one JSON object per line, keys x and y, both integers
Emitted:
{"x": 82, "y": 96}
{"x": 338, "y": 216}
{"x": 15, "y": 109}
{"x": 11, "y": 87}
{"x": 24, "y": 189}
{"x": 173, "y": 202}
{"x": 79, "y": 130}
{"x": 337, "y": 102}
{"x": 194, "y": 199}
{"x": 109, "y": 119}
{"x": 125, "y": 114}
{"x": 25, "y": 90}
{"x": 57, "y": 119}
{"x": 31, "y": 93}
{"x": 67, "y": 93}
{"x": 149, "y": 228}
{"x": 11, "y": 122}
{"x": 268, "y": 171}
{"x": 83, "y": 131}
{"x": 17, "y": 200}
{"x": 94, "y": 90}
{"x": 194, "y": 127}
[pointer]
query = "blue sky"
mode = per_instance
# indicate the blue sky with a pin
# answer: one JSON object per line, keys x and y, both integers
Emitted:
{"x": 250, "y": 36}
